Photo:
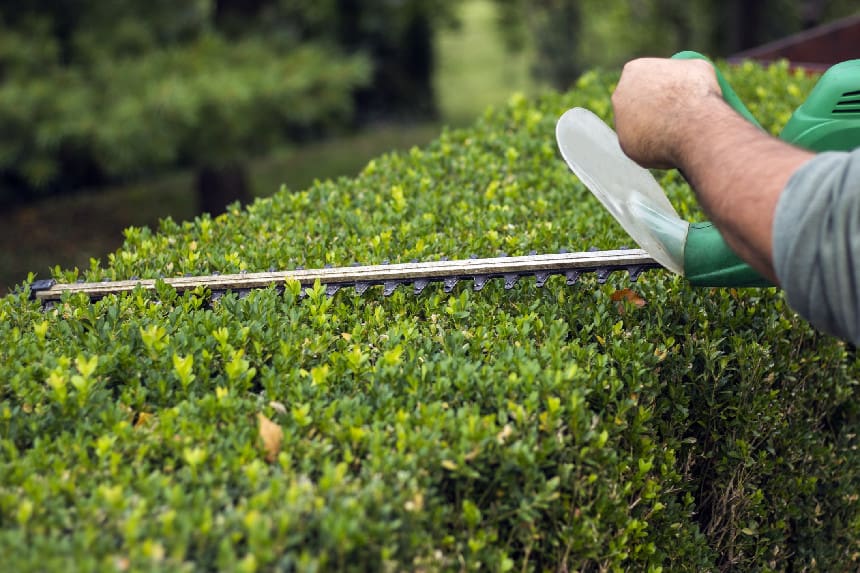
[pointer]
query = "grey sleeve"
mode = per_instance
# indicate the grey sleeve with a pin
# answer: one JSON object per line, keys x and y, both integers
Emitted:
{"x": 816, "y": 243}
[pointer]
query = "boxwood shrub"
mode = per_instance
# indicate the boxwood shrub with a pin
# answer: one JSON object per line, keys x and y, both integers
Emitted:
{"x": 642, "y": 427}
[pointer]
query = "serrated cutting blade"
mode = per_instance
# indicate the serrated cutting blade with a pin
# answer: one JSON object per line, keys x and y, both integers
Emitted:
{"x": 389, "y": 276}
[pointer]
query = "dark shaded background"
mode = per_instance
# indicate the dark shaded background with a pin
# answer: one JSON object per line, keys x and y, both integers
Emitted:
{"x": 122, "y": 112}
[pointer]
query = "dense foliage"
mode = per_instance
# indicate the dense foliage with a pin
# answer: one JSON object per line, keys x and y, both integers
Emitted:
{"x": 562, "y": 428}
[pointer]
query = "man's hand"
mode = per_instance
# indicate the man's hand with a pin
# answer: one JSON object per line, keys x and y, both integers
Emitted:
{"x": 657, "y": 105}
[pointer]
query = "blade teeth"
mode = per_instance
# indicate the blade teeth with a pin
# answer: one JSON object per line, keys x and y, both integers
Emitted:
{"x": 388, "y": 287}
{"x": 634, "y": 272}
{"x": 419, "y": 285}
{"x": 41, "y": 284}
{"x": 571, "y": 277}
{"x": 450, "y": 283}
{"x": 361, "y": 288}
{"x": 331, "y": 290}
{"x": 243, "y": 293}
{"x": 480, "y": 282}
{"x": 541, "y": 278}
{"x": 603, "y": 274}
{"x": 510, "y": 281}
{"x": 216, "y": 295}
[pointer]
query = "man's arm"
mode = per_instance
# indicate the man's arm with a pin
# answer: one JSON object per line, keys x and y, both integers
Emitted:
{"x": 670, "y": 113}
{"x": 792, "y": 215}
{"x": 816, "y": 235}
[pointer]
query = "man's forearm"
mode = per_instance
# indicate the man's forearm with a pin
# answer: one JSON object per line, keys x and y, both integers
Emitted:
{"x": 738, "y": 173}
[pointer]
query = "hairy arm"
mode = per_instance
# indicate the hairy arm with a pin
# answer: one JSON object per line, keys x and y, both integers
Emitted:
{"x": 670, "y": 113}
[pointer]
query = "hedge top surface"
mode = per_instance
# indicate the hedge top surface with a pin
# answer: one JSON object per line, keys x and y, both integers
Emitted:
{"x": 608, "y": 427}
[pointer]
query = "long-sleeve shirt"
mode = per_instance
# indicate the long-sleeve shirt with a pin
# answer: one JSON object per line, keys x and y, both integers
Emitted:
{"x": 816, "y": 243}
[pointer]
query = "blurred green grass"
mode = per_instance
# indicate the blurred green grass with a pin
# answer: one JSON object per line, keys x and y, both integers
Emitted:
{"x": 474, "y": 72}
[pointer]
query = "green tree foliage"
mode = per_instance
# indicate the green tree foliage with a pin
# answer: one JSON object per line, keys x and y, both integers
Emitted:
{"x": 397, "y": 35}
{"x": 203, "y": 103}
{"x": 96, "y": 91}
{"x": 533, "y": 429}
{"x": 92, "y": 91}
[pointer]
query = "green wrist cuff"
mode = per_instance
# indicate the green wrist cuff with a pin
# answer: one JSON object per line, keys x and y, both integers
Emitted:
{"x": 709, "y": 262}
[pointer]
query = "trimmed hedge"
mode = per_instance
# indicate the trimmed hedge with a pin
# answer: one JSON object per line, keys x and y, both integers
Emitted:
{"x": 562, "y": 428}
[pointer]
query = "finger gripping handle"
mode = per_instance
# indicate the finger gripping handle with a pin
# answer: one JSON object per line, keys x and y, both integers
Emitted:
{"x": 729, "y": 94}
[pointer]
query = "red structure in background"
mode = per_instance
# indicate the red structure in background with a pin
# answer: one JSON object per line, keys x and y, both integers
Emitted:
{"x": 814, "y": 49}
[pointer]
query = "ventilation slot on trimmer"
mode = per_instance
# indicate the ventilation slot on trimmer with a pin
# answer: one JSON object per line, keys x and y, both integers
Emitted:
{"x": 849, "y": 103}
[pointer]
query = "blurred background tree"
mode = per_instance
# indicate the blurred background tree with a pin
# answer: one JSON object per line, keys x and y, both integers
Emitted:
{"x": 397, "y": 36}
{"x": 95, "y": 91}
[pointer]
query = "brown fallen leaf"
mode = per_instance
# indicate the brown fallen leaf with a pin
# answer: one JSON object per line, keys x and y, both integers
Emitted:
{"x": 629, "y": 295}
{"x": 272, "y": 435}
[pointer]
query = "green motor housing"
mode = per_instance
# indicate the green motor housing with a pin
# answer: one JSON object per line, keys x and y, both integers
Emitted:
{"x": 829, "y": 120}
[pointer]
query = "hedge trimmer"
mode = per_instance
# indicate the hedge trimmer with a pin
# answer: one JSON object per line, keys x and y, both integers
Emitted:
{"x": 828, "y": 120}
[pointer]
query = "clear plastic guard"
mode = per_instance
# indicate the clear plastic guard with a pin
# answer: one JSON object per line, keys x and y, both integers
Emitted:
{"x": 629, "y": 192}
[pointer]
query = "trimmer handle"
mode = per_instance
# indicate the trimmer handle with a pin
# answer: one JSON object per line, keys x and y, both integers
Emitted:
{"x": 708, "y": 260}
{"x": 728, "y": 93}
